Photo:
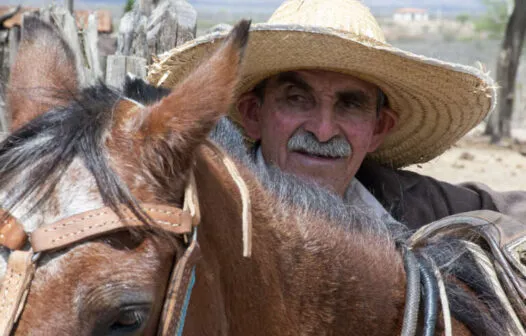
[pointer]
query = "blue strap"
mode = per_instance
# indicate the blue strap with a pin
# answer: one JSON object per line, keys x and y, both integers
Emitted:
{"x": 184, "y": 309}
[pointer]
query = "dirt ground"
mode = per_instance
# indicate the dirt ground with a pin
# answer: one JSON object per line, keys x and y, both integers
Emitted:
{"x": 474, "y": 159}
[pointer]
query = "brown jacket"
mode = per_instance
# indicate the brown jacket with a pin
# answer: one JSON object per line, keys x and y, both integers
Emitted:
{"x": 417, "y": 200}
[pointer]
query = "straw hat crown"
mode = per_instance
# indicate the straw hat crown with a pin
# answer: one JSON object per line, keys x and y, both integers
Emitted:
{"x": 347, "y": 16}
{"x": 436, "y": 102}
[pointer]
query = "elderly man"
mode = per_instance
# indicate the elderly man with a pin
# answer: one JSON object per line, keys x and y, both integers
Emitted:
{"x": 322, "y": 96}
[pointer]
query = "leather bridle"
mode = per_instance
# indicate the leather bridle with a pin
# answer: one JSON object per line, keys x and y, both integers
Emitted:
{"x": 96, "y": 223}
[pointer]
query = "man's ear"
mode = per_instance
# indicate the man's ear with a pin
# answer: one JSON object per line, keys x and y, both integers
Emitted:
{"x": 387, "y": 119}
{"x": 249, "y": 106}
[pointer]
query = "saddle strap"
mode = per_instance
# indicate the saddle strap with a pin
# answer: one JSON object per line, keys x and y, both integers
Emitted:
{"x": 179, "y": 292}
{"x": 14, "y": 289}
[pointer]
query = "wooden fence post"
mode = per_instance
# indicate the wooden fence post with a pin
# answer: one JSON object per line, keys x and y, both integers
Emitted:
{"x": 4, "y": 55}
{"x": 117, "y": 66}
{"x": 69, "y": 6}
{"x": 186, "y": 22}
{"x": 162, "y": 29}
{"x": 9, "y": 41}
{"x": 91, "y": 48}
{"x": 171, "y": 23}
{"x": 115, "y": 70}
{"x": 153, "y": 27}
{"x": 14, "y": 41}
{"x": 4, "y": 118}
{"x": 135, "y": 66}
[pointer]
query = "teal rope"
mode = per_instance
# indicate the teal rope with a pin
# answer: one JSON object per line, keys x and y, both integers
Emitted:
{"x": 180, "y": 325}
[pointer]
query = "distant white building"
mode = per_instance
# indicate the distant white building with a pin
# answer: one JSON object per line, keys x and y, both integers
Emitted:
{"x": 410, "y": 15}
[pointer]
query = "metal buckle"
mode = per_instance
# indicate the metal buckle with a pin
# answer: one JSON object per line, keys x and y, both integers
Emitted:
{"x": 36, "y": 257}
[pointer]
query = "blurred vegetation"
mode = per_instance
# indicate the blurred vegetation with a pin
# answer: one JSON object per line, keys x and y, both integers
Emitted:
{"x": 128, "y": 6}
{"x": 493, "y": 21}
{"x": 462, "y": 18}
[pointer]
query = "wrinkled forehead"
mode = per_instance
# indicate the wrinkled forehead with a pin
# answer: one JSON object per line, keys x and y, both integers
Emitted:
{"x": 321, "y": 81}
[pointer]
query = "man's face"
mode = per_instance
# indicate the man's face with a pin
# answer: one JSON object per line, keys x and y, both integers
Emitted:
{"x": 317, "y": 124}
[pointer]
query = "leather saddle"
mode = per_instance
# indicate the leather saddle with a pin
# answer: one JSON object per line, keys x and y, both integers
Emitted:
{"x": 497, "y": 238}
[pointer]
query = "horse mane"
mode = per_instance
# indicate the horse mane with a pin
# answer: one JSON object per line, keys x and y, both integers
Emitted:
{"x": 44, "y": 148}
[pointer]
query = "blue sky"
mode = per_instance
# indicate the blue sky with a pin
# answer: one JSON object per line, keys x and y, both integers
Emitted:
{"x": 371, "y": 3}
{"x": 275, "y": 3}
{"x": 271, "y": 5}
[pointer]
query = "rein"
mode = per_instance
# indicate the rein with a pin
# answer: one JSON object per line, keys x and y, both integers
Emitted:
{"x": 95, "y": 223}
{"x": 422, "y": 285}
{"x": 497, "y": 247}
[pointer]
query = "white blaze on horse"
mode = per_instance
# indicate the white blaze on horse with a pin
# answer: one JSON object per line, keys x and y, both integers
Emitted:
{"x": 105, "y": 189}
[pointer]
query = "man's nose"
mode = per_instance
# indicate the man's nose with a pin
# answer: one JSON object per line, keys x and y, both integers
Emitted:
{"x": 323, "y": 125}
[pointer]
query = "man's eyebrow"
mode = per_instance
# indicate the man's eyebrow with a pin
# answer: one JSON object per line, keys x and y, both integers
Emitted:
{"x": 293, "y": 78}
{"x": 355, "y": 96}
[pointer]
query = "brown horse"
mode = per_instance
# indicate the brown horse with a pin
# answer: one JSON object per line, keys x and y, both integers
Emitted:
{"x": 75, "y": 150}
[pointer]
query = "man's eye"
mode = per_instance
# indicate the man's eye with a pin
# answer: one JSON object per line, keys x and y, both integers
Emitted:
{"x": 296, "y": 98}
{"x": 350, "y": 104}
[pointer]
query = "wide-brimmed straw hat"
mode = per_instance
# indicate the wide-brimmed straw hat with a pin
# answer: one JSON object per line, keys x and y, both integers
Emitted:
{"x": 436, "y": 102}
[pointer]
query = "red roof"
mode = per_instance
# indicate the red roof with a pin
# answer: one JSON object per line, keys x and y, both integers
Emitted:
{"x": 411, "y": 10}
{"x": 81, "y": 16}
{"x": 103, "y": 18}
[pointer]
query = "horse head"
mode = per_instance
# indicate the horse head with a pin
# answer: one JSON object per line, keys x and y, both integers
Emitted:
{"x": 75, "y": 150}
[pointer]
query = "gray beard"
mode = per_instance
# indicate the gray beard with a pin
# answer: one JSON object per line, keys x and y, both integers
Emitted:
{"x": 354, "y": 212}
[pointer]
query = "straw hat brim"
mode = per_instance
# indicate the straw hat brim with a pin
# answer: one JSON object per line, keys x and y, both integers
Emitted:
{"x": 436, "y": 102}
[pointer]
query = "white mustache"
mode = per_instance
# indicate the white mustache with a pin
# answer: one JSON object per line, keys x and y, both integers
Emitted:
{"x": 304, "y": 141}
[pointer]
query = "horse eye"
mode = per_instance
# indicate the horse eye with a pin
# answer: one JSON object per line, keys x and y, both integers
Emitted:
{"x": 129, "y": 321}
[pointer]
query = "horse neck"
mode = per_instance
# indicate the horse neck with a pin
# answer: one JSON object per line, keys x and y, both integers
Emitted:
{"x": 229, "y": 286}
{"x": 304, "y": 277}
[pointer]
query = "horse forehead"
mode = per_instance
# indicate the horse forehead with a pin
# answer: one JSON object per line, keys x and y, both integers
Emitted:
{"x": 87, "y": 263}
{"x": 77, "y": 192}
{"x": 83, "y": 269}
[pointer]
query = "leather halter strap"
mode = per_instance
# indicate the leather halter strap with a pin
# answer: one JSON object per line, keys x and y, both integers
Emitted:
{"x": 22, "y": 264}
{"x": 103, "y": 221}
{"x": 179, "y": 291}
{"x": 14, "y": 289}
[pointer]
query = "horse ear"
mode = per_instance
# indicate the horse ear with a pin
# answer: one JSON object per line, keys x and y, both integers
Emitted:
{"x": 44, "y": 74}
{"x": 183, "y": 119}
